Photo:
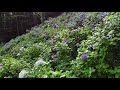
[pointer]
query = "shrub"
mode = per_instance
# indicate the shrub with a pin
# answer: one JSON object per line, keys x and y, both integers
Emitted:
{"x": 97, "y": 65}
{"x": 11, "y": 67}
{"x": 73, "y": 45}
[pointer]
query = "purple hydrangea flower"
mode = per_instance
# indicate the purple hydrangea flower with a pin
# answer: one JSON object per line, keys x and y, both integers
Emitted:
{"x": 48, "y": 42}
{"x": 97, "y": 20}
{"x": 54, "y": 48}
{"x": 83, "y": 16}
{"x": 83, "y": 57}
{"x": 83, "y": 22}
{"x": 102, "y": 13}
{"x": 77, "y": 44}
{"x": 54, "y": 57}
{"x": 45, "y": 37}
{"x": 67, "y": 42}
{"x": 1, "y": 66}
{"x": 69, "y": 32}
{"x": 107, "y": 13}
{"x": 104, "y": 37}
{"x": 91, "y": 25}
{"x": 53, "y": 37}
{"x": 81, "y": 13}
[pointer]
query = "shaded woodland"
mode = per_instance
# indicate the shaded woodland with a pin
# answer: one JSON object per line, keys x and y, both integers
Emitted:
{"x": 13, "y": 24}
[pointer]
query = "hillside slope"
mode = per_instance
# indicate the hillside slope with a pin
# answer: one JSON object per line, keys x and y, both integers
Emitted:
{"x": 75, "y": 44}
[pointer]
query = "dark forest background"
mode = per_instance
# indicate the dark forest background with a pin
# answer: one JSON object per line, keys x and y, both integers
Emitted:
{"x": 13, "y": 24}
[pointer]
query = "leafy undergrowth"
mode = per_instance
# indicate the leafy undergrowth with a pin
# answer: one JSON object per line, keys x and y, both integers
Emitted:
{"x": 73, "y": 45}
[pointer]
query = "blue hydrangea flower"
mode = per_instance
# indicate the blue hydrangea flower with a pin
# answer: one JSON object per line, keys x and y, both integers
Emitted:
{"x": 83, "y": 57}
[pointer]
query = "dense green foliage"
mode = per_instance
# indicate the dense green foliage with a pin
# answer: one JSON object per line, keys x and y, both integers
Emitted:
{"x": 73, "y": 45}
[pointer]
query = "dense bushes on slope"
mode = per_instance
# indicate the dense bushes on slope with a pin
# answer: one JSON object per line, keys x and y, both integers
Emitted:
{"x": 10, "y": 67}
{"x": 72, "y": 45}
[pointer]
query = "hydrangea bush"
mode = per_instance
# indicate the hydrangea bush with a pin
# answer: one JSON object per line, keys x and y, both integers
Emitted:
{"x": 10, "y": 67}
{"x": 73, "y": 45}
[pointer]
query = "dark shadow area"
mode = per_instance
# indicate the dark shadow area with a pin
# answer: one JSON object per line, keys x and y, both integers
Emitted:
{"x": 14, "y": 24}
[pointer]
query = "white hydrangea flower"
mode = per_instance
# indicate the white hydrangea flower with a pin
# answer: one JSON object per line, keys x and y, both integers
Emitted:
{"x": 40, "y": 62}
{"x": 18, "y": 54}
{"x": 111, "y": 32}
{"x": 54, "y": 73}
{"x": 86, "y": 51}
{"x": 73, "y": 77}
{"x": 22, "y": 74}
{"x": 22, "y": 48}
{"x": 45, "y": 76}
{"x": 3, "y": 60}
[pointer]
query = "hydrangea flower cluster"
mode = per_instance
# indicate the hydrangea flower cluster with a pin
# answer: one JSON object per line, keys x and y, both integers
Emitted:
{"x": 83, "y": 57}
{"x": 1, "y": 66}
{"x": 54, "y": 57}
